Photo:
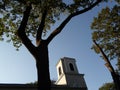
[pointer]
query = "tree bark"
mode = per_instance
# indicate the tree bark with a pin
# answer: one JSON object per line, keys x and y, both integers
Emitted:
{"x": 42, "y": 64}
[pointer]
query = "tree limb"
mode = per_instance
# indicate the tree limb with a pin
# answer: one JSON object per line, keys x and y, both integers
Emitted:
{"x": 110, "y": 67}
{"x": 41, "y": 26}
{"x": 87, "y": 9}
{"x": 62, "y": 25}
{"x": 21, "y": 30}
{"x": 107, "y": 64}
{"x": 59, "y": 29}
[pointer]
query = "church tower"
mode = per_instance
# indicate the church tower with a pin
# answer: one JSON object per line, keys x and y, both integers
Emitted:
{"x": 68, "y": 73}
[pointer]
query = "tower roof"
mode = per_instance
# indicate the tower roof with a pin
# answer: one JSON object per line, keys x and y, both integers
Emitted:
{"x": 65, "y": 58}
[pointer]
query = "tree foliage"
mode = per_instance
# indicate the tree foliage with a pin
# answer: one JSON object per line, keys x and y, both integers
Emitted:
{"x": 107, "y": 86}
{"x": 11, "y": 12}
{"x": 106, "y": 31}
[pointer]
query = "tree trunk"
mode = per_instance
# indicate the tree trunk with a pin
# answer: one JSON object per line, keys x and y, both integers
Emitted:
{"x": 42, "y": 64}
{"x": 116, "y": 80}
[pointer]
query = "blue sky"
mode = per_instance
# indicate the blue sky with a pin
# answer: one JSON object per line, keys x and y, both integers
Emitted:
{"x": 74, "y": 41}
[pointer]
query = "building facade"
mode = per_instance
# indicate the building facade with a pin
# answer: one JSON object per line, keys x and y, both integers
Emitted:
{"x": 68, "y": 74}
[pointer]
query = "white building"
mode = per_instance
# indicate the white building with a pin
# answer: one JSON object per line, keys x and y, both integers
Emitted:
{"x": 68, "y": 73}
{"x": 68, "y": 78}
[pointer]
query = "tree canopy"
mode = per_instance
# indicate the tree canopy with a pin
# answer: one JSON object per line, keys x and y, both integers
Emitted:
{"x": 106, "y": 31}
{"x": 107, "y": 86}
{"x": 11, "y": 13}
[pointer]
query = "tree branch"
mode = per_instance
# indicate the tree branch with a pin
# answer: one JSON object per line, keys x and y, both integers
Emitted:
{"x": 87, "y": 9}
{"x": 62, "y": 25}
{"x": 107, "y": 64}
{"x": 59, "y": 29}
{"x": 25, "y": 19}
{"x": 41, "y": 26}
{"x": 110, "y": 67}
{"x": 21, "y": 30}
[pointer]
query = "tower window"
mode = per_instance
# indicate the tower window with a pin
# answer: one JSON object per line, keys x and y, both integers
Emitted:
{"x": 60, "y": 72}
{"x": 71, "y": 67}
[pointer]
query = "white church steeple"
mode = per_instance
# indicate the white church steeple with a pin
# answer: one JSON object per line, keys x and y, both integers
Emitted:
{"x": 68, "y": 73}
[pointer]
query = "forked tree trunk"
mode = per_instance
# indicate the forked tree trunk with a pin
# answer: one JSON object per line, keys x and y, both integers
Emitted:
{"x": 40, "y": 52}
